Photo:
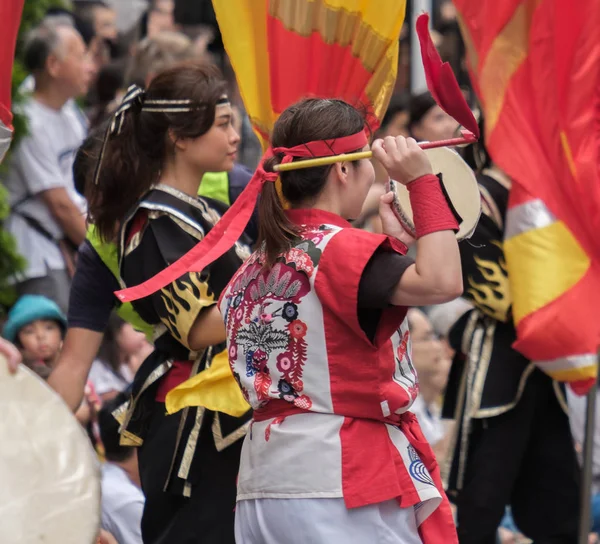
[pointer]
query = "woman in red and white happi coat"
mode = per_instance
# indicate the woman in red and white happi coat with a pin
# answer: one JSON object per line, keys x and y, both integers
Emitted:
{"x": 319, "y": 344}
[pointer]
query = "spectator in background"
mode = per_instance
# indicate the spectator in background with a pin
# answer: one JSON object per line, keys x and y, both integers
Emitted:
{"x": 97, "y": 48}
{"x": 100, "y": 16}
{"x": 36, "y": 326}
{"x": 160, "y": 17}
{"x": 150, "y": 56}
{"x": 443, "y": 317}
{"x": 133, "y": 347}
{"x": 106, "y": 372}
{"x": 432, "y": 366}
{"x": 121, "y": 353}
{"x": 395, "y": 120}
{"x": 47, "y": 215}
{"x": 108, "y": 85}
{"x": 122, "y": 497}
{"x": 154, "y": 54}
{"x": 428, "y": 122}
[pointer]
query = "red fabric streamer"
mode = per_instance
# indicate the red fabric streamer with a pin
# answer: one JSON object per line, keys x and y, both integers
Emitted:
{"x": 441, "y": 81}
{"x": 231, "y": 226}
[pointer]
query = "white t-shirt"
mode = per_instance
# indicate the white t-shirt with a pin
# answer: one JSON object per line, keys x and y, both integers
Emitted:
{"x": 105, "y": 380}
{"x": 43, "y": 160}
{"x": 122, "y": 505}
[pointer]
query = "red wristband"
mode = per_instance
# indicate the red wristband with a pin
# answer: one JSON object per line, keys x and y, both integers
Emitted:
{"x": 431, "y": 212}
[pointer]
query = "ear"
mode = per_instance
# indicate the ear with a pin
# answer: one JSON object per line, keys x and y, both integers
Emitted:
{"x": 340, "y": 171}
{"x": 178, "y": 143}
{"x": 53, "y": 65}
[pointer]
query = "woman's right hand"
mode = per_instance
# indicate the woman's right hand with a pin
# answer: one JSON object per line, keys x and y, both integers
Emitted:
{"x": 402, "y": 157}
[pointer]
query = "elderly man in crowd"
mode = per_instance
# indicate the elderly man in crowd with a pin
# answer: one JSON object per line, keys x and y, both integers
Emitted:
{"x": 47, "y": 215}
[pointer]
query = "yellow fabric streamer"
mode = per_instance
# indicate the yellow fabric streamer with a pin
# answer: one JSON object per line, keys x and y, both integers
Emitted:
{"x": 542, "y": 265}
{"x": 214, "y": 388}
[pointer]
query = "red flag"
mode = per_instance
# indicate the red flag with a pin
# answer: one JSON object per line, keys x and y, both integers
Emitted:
{"x": 536, "y": 68}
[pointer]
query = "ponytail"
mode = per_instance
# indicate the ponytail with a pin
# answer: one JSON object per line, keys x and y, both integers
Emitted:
{"x": 275, "y": 231}
{"x": 128, "y": 171}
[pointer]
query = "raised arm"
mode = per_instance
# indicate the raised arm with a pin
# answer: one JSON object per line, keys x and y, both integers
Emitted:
{"x": 436, "y": 276}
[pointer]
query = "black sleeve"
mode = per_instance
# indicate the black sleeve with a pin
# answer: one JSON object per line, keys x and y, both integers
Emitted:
{"x": 91, "y": 299}
{"x": 380, "y": 277}
{"x": 376, "y": 287}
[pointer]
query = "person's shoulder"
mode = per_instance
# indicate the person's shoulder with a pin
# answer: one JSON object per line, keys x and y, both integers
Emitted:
{"x": 348, "y": 235}
{"x": 90, "y": 253}
{"x": 39, "y": 118}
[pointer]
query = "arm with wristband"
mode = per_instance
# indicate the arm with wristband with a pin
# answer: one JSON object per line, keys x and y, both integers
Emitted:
{"x": 436, "y": 276}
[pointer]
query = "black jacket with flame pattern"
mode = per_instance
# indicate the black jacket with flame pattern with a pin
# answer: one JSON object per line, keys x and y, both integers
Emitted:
{"x": 164, "y": 226}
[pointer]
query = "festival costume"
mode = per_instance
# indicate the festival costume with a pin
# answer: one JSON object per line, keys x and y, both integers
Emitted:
{"x": 303, "y": 360}
{"x": 512, "y": 444}
{"x": 189, "y": 461}
{"x": 100, "y": 255}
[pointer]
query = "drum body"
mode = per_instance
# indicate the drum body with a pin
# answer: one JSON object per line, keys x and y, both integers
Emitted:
{"x": 49, "y": 472}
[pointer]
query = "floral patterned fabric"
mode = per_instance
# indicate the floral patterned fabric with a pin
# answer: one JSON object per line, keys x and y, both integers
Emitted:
{"x": 331, "y": 402}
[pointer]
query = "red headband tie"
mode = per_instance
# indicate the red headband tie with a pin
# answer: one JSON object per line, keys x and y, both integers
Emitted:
{"x": 231, "y": 226}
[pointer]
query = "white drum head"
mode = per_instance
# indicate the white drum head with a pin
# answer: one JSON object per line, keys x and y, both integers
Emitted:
{"x": 460, "y": 184}
{"x": 49, "y": 473}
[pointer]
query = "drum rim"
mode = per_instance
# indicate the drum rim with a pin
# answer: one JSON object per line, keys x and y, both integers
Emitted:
{"x": 408, "y": 224}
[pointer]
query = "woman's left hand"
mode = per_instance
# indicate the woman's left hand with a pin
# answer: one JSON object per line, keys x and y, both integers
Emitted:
{"x": 390, "y": 223}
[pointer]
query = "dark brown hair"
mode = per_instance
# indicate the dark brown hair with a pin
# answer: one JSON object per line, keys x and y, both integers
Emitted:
{"x": 306, "y": 121}
{"x": 133, "y": 158}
